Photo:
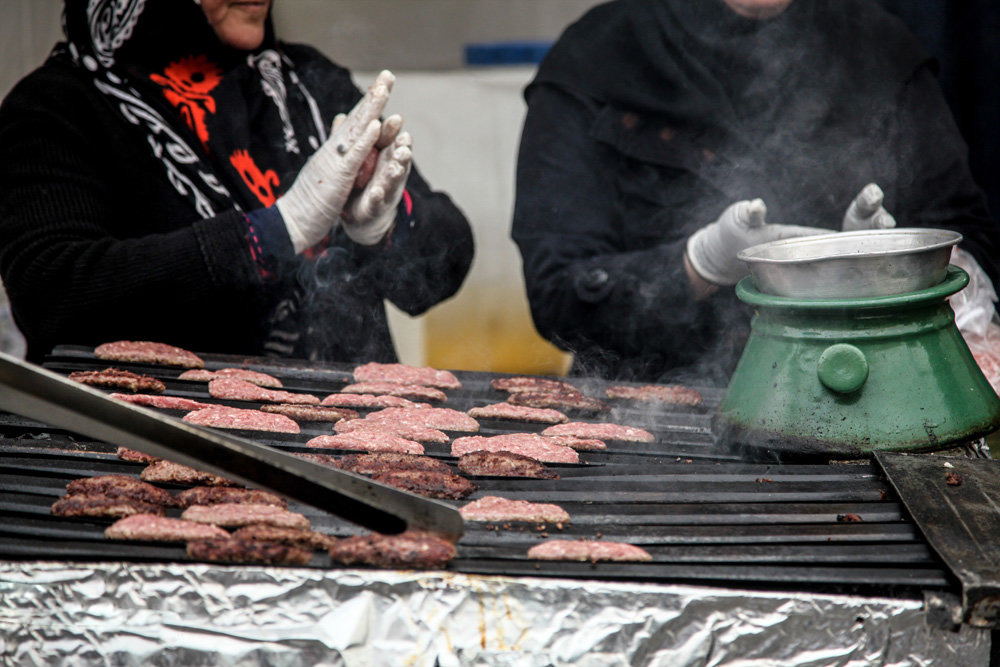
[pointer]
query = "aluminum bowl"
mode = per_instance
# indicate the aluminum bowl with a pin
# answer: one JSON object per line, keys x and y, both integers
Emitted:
{"x": 877, "y": 262}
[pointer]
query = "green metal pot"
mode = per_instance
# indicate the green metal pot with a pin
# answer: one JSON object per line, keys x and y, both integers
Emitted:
{"x": 846, "y": 377}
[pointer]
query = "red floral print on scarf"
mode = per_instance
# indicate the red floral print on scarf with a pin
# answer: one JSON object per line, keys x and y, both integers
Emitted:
{"x": 261, "y": 183}
{"x": 186, "y": 85}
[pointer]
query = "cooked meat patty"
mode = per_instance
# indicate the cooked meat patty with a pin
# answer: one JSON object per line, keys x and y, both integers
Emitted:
{"x": 410, "y": 391}
{"x": 433, "y": 484}
{"x": 311, "y": 413}
{"x": 503, "y": 464}
{"x": 174, "y": 473}
{"x": 444, "y": 419}
{"x": 603, "y": 431}
{"x": 293, "y": 537}
{"x": 499, "y": 510}
{"x": 516, "y": 385}
{"x": 259, "y": 379}
{"x": 403, "y": 374}
{"x": 114, "y": 378}
{"x": 238, "y": 514}
{"x": 579, "y": 444}
{"x": 370, "y": 401}
{"x": 240, "y": 390}
{"x": 527, "y": 444}
{"x": 565, "y": 400}
{"x": 377, "y": 462}
{"x": 409, "y": 431}
{"x": 214, "y": 495}
{"x": 147, "y": 352}
{"x": 412, "y": 549}
{"x": 233, "y": 550}
{"x": 367, "y": 440}
{"x": 160, "y": 529}
{"x": 162, "y": 402}
{"x": 587, "y": 550}
{"x": 657, "y": 393}
{"x": 321, "y": 459}
{"x": 221, "y": 416}
{"x": 121, "y": 486}
{"x": 126, "y": 454}
{"x": 100, "y": 505}
{"x": 518, "y": 413}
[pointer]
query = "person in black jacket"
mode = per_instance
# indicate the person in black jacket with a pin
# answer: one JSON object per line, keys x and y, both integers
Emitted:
{"x": 175, "y": 173}
{"x": 664, "y": 136}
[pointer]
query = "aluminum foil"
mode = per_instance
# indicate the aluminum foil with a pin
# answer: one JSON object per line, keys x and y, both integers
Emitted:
{"x": 127, "y": 614}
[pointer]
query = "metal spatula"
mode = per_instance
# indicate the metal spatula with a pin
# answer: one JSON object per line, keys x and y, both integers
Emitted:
{"x": 34, "y": 392}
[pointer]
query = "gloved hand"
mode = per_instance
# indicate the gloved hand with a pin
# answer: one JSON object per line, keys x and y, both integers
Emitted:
{"x": 866, "y": 211}
{"x": 316, "y": 200}
{"x": 712, "y": 249}
{"x": 370, "y": 213}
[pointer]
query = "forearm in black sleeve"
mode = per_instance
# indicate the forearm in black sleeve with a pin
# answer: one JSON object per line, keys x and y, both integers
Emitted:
{"x": 79, "y": 269}
{"x": 936, "y": 188}
{"x": 583, "y": 286}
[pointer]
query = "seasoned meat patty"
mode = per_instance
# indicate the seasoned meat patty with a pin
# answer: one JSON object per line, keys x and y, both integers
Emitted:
{"x": 378, "y": 462}
{"x": 293, "y": 537}
{"x": 562, "y": 400}
{"x": 528, "y": 444}
{"x": 370, "y": 401}
{"x": 232, "y": 388}
{"x": 403, "y": 374}
{"x": 311, "y": 413}
{"x": 413, "y": 432}
{"x": 410, "y": 391}
{"x": 154, "y": 528}
{"x": 239, "y": 514}
{"x": 121, "y": 486}
{"x": 148, "y": 352}
{"x": 500, "y": 510}
{"x": 221, "y": 416}
{"x": 656, "y": 393}
{"x": 114, "y": 378}
{"x": 518, "y": 413}
{"x": 604, "y": 431}
{"x": 367, "y": 440}
{"x": 587, "y": 550}
{"x": 100, "y": 505}
{"x": 234, "y": 550}
{"x": 259, "y": 379}
{"x": 164, "y": 471}
{"x": 428, "y": 483}
{"x": 411, "y": 549}
{"x": 503, "y": 464}
{"x": 214, "y": 495}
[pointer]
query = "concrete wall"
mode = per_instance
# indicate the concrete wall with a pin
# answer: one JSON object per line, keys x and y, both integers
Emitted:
{"x": 465, "y": 122}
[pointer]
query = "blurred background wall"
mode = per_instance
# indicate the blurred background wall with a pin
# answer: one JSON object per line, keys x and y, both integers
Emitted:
{"x": 466, "y": 123}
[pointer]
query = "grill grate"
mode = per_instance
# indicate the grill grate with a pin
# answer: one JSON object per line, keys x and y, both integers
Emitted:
{"x": 703, "y": 514}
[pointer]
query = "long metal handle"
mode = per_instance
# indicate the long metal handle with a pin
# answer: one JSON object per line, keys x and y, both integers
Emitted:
{"x": 39, "y": 394}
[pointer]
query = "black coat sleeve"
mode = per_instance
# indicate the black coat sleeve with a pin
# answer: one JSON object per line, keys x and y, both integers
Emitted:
{"x": 589, "y": 292}
{"x": 94, "y": 247}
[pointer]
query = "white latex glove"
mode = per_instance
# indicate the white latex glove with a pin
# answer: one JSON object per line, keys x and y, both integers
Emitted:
{"x": 371, "y": 212}
{"x": 712, "y": 249}
{"x": 315, "y": 201}
{"x": 866, "y": 211}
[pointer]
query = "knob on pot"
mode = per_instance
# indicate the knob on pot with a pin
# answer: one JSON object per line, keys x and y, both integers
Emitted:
{"x": 842, "y": 368}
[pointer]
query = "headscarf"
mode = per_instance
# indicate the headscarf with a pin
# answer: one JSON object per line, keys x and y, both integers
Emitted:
{"x": 230, "y": 127}
{"x": 763, "y": 108}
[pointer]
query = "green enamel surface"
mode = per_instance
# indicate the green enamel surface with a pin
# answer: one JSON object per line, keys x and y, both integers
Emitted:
{"x": 902, "y": 376}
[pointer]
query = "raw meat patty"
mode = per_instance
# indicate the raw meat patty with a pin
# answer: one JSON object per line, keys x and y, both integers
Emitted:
{"x": 239, "y": 514}
{"x": 241, "y": 390}
{"x": 114, "y": 378}
{"x": 221, "y": 416}
{"x": 603, "y": 431}
{"x": 499, "y": 510}
{"x": 586, "y": 550}
{"x": 160, "y": 529}
{"x": 147, "y": 352}
{"x": 526, "y": 444}
{"x": 367, "y": 440}
{"x": 518, "y": 413}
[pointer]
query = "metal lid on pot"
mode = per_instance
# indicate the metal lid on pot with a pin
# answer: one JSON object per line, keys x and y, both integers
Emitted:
{"x": 877, "y": 262}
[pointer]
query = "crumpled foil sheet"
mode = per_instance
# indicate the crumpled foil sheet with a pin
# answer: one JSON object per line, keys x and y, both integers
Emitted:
{"x": 127, "y": 614}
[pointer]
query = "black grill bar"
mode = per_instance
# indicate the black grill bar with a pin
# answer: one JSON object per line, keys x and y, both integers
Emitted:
{"x": 704, "y": 514}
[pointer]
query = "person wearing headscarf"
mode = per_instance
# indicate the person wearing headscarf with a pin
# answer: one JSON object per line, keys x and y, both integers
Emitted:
{"x": 173, "y": 172}
{"x": 664, "y": 136}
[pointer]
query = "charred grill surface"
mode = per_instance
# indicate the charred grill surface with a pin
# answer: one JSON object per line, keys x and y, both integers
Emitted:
{"x": 702, "y": 513}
